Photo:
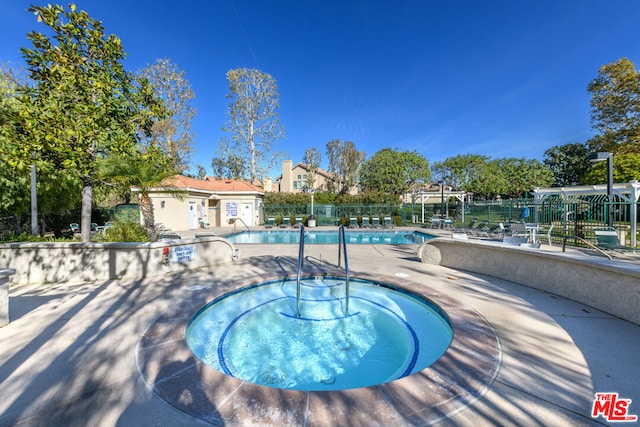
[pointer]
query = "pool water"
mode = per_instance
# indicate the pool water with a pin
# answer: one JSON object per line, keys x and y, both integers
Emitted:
{"x": 357, "y": 237}
{"x": 254, "y": 334}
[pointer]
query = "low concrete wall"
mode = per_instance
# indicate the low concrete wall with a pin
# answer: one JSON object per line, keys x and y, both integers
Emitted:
{"x": 610, "y": 286}
{"x": 60, "y": 262}
{"x": 5, "y": 274}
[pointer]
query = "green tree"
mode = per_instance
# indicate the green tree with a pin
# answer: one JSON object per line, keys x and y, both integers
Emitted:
{"x": 13, "y": 181}
{"x": 344, "y": 165}
{"x": 462, "y": 171}
{"x": 518, "y": 176}
{"x": 615, "y": 108}
{"x": 82, "y": 104}
{"x": 312, "y": 159}
{"x": 142, "y": 171}
{"x": 568, "y": 162}
{"x": 626, "y": 167}
{"x": 394, "y": 172}
{"x": 173, "y": 133}
{"x": 253, "y": 126}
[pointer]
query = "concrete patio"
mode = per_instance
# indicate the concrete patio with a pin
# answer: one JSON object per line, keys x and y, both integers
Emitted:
{"x": 68, "y": 356}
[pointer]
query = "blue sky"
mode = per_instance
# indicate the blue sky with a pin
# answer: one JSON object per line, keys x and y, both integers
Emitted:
{"x": 498, "y": 78}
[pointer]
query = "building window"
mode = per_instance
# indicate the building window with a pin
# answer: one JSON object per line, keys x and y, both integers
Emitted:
{"x": 297, "y": 185}
{"x": 162, "y": 204}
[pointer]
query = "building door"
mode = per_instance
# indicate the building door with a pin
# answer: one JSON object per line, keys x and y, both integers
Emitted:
{"x": 247, "y": 214}
{"x": 193, "y": 215}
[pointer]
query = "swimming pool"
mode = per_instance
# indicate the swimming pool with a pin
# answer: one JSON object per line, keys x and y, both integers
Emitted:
{"x": 358, "y": 237}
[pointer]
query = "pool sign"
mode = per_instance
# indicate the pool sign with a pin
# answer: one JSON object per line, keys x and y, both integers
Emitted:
{"x": 232, "y": 209}
{"x": 183, "y": 253}
{"x": 612, "y": 408}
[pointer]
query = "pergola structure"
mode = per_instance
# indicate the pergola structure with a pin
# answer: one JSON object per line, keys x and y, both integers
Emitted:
{"x": 629, "y": 192}
{"x": 439, "y": 197}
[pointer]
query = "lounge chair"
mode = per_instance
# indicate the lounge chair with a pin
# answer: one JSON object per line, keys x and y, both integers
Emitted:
{"x": 365, "y": 222}
{"x": 298, "y": 222}
{"x": 388, "y": 223}
{"x": 459, "y": 236}
{"x": 478, "y": 230}
{"x": 435, "y": 222}
{"x": 353, "y": 222}
{"x": 271, "y": 221}
{"x": 285, "y": 222}
{"x": 515, "y": 240}
{"x": 75, "y": 227}
{"x": 203, "y": 223}
{"x": 165, "y": 237}
{"x": 607, "y": 239}
{"x": 376, "y": 222}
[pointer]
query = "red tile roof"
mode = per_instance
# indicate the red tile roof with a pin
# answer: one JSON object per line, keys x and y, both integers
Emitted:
{"x": 212, "y": 184}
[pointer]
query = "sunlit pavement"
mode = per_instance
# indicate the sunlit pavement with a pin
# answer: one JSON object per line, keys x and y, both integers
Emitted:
{"x": 68, "y": 355}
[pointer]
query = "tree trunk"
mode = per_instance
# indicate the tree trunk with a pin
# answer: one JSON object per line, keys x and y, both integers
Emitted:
{"x": 85, "y": 218}
{"x": 148, "y": 218}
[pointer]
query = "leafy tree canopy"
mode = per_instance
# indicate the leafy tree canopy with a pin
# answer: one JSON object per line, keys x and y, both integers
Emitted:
{"x": 80, "y": 104}
{"x": 626, "y": 167}
{"x": 615, "y": 108}
{"x": 568, "y": 163}
{"x": 394, "y": 172}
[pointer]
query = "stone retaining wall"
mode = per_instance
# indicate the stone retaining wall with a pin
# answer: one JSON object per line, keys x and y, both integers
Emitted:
{"x": 60, "y": 262}
{"x": 610, "y": 286}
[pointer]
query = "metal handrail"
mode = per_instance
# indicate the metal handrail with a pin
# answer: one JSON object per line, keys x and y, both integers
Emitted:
{"x": 342, "y": 249}
{"x": 300, "y": 264}
{"x": 564, "y": 244}
{"x": 235, "y": 221}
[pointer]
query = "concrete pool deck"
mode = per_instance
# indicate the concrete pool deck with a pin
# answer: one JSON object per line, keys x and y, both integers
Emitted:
{"x": 68, "y": 357}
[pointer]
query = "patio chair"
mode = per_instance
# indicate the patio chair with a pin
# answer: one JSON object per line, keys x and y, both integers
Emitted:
{"x": 271, "y": 221}
{"x": 203, "y": 223}
{"x": 518, "y": 230}
{"x": 75, "y": 227}
{"x": 376, "y": 222}
{"x": 353, "y": 222}
{"x": 435, "y": 222}
{"x": 298, "y": 222}
{"x": 607, "y": 239}
{"x": 448, "y": 224}
{"x": 365, "y": 222}
{"x": 548, "y": 233}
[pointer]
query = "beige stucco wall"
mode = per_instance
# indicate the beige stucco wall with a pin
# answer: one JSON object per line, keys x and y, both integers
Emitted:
{"x": 610, "y": 286}
{"x": 61, "y": 262}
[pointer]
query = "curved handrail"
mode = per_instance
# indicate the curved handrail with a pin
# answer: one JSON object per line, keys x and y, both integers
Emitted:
{"x": 342, "y": 248}
{"x": 564, "y": 244}
{"x": 300, "y": 264}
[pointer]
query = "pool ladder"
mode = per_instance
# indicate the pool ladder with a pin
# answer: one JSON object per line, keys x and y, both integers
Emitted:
{"x": 342, "y": 251}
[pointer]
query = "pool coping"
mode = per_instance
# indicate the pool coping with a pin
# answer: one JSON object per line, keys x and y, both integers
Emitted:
{"x": 463, "y": 374}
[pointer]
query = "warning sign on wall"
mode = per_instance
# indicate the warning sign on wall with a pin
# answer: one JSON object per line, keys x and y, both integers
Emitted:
{"x": 183, "y": 253}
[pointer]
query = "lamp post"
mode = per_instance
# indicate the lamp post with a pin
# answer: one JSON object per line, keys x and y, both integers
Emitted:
{"x": 600, "y": 157}
{"x": 442, "y": 199}
{"x": 34, "y": 197}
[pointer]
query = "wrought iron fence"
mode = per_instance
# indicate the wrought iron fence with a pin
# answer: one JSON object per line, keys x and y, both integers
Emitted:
{"x": 571, "y": 216}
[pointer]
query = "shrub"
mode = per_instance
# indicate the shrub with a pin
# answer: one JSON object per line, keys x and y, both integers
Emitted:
{"x": 125, "y": 232}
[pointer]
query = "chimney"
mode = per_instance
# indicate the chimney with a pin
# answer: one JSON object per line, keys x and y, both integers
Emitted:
{"x": 286, "y": 185}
